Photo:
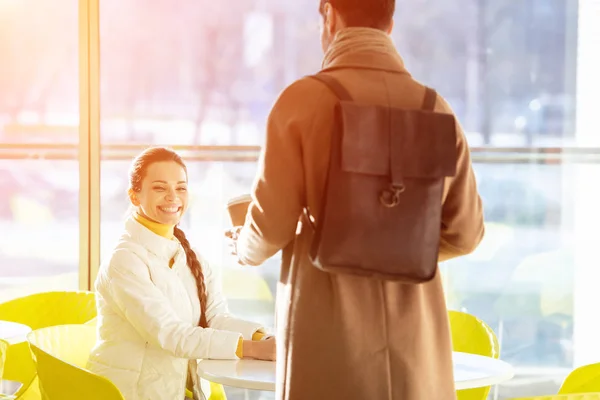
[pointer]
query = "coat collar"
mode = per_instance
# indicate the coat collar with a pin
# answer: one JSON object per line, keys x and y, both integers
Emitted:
{"x": 368, "y": 60}
{"x": 363, "y": 48}
{"x": 163, "y": 248}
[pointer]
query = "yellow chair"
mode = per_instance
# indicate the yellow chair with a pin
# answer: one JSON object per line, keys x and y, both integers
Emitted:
{"x": 60, "y": 354}
{"x": 582, "y": 380}
{"x": 4, "y": 345}
{"x": 578, "y": 385}
{"x": 41, "y": 310}
{"x": 19, "y": 367}
{"x": 216, "y": 392}
{"x": 3, "y": 349}
{"x": 472, "y": 335}
{"x": 579, "y": 396}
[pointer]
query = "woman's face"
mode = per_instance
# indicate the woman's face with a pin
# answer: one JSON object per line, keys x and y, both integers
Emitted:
{"x": 163, "y": 196}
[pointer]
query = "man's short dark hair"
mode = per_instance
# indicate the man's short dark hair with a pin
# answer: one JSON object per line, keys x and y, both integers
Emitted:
{"x": 376, "y": 14}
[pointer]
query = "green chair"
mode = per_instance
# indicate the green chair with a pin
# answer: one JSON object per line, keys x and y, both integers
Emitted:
{"x": 60, "y": 354}
{"x": 41, "y": 310}
{"x": 472, "y": 335}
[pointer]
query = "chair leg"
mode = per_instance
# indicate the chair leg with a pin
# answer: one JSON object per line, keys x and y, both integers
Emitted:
{"x": 500, "y": 337}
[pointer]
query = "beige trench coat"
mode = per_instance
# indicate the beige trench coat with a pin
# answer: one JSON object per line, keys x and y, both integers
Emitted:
{"x": 340, "y": 336}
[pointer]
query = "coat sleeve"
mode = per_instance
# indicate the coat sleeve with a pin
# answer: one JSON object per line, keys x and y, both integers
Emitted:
{"x": 278, "y": 194}
{"x": 217, "y": 311}
{"x": 462, "y": 211}
{"x": 129, "y": 287}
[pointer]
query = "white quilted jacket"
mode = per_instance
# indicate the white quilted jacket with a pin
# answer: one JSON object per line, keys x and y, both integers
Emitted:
{"x": 148, "y": 315}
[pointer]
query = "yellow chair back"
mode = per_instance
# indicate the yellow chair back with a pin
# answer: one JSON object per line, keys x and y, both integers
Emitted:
{"x": 3, "y": 350}
{"x": 37, "y": 311}
{"x": 41, "y": 310}
{"x": 582, "y": 380}
{"x": 580, "y": 396}
{"x": 472, "y": 335}
{"x": 61, "y": 353}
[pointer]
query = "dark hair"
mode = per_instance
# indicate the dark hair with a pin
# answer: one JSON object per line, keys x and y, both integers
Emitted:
{"x": 376, "y": 14}
{"x": 137, "y": 173}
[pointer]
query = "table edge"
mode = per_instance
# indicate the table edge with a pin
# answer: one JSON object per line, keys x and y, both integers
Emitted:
{"x": 506, "y": 374}
{"x": 237, "y": 382}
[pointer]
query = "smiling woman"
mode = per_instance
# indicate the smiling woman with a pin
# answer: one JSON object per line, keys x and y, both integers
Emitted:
{"x": 160, "y": 307}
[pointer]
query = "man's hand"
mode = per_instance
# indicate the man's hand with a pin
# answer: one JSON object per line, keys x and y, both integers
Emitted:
{"x": 232, "y": 237}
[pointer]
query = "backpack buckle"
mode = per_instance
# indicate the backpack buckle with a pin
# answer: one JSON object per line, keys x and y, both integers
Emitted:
{"x": 391, "y": 197}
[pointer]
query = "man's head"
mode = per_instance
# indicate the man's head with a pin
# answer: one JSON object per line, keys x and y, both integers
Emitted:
{"x": 339, "y": 14}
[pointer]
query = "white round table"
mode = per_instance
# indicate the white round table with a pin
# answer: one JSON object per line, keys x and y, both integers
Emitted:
{"x": 8, "y": 389}
{"x": 13, "y": 332}
{"x": 473, "y": 371}
{"x": 470, "y": 371}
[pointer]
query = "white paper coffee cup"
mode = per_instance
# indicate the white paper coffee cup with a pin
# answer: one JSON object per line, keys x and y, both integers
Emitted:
{"x": 238, "y": 208}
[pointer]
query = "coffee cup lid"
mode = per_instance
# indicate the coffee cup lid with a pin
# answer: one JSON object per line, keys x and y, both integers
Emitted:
{"x": 239, "y": 199}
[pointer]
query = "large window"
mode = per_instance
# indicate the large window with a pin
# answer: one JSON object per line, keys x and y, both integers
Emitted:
{"x": 521, "y": 76}
{"x": 39, "y": 173}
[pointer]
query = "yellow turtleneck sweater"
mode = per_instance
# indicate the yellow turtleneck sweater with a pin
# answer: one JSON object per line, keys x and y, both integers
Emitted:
{"x": 167, "y": 232}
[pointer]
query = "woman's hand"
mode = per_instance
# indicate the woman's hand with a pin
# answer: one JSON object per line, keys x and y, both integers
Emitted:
{"x": 261, "y": 349}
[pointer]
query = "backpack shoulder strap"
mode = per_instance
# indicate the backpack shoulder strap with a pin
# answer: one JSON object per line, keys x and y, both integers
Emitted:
{"x": 334, "y": 85}
{"x": 429, "y": 100}
{"x": 342, "y": 94}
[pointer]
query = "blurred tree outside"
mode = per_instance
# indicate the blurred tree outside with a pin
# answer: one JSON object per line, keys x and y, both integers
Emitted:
{"x": 198, "y": 61}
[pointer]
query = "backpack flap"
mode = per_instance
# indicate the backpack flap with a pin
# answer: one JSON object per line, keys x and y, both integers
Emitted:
{"x": 381, "y": 214}
{"x": 423, "y": 145}
{"x": 384, "y": 141}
